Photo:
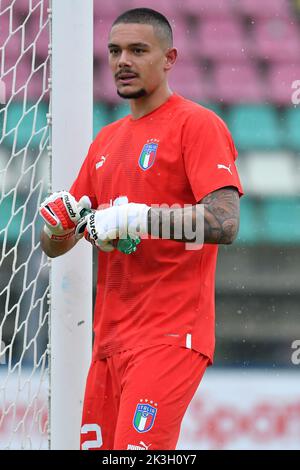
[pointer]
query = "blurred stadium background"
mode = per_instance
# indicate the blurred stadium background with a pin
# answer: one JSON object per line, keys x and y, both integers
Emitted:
{"x": 239, "y": 58}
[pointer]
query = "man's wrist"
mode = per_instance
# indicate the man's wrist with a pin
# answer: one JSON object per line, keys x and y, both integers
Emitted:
{"x": 59, "y": 237}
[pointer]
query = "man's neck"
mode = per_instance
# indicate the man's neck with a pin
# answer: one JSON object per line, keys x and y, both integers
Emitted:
{"x": 145, "y": 105}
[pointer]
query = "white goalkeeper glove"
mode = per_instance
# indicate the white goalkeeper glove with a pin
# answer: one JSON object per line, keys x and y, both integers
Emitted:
{"x": 61, "y": 213}
{"x": 117, "y": 222}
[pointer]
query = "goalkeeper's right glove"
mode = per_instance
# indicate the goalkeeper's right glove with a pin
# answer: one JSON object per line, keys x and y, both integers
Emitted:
{"x": 127, "y": 245}
{"x": 61, "y": 213}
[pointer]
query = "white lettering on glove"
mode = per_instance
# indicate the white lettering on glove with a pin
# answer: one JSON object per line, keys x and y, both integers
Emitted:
{"x": 117, "y": 222}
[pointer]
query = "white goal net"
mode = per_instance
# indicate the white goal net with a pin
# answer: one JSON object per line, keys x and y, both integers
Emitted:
{"x": 24, "y": 182}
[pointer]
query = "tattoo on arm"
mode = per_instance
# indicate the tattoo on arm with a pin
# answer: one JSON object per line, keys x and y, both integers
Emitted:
{"x": 218, "y": 222}
{"x": 221, "y": 215}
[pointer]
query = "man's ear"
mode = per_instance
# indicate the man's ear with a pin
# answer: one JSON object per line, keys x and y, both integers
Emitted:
{"x": 170, "y": 58}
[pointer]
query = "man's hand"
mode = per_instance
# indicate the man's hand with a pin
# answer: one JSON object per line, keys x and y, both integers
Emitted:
{"x": 61, "y": 213}
{"x": 117, "y": 222}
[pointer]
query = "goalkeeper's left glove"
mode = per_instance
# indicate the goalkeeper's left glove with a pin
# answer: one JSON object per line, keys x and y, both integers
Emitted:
{"x": 117, "y": 222}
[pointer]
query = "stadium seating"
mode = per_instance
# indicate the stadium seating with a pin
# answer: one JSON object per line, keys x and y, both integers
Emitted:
{"x": 104, "y": 86}
{"x": 16, "y": 74}
{"x": 268, "y": 174}
{"x": 205, "y": 9}
{"x": 276, "y": 39}
{"x": 183, "y": 39}
{"x": 281, "y": 220}
{"x": 12, "y": 42}
{"x": 17, "y": 218}
{"x": 107, "y": 9}
{"x": 6, "y": 25}
{"x": 41, "y": 40}
{"x": 269, "y": 220}
{"x": 101, "y": 117}
{"x": 26, "y": 8}
{"x": 196, "y": 86}
{"x": 168, "y": 7}
{"x": 207, "y": 43}
{"x": 291, "y": 127}
{"x": 101, "y": 30}
{"x": 215, "y": 107}
{"x": 235, "y": 83}
{"x": 249, "y": 231}
{"x": 20, "y": 126}
{"x": 115, "y": 8}
{"x": 266, "y": 9}
{"x": 10, "y": 219}
{"x": 120, "y": 111}
{"x": 254, "y": 127}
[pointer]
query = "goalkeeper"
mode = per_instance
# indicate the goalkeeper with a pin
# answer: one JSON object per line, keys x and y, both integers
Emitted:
{"x": 154, "y": 310}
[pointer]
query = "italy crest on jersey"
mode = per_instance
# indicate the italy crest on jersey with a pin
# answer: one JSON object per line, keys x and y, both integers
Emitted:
{"x": 144, "y": 417}
{"x": 148, "y": 154}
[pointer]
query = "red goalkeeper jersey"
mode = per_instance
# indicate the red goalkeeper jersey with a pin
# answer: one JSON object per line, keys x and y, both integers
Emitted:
{"x": 162, "y": 293}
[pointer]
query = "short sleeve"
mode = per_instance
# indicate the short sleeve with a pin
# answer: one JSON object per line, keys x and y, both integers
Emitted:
{"x": 83, "y": 185}
{"x": 209, "y": 154}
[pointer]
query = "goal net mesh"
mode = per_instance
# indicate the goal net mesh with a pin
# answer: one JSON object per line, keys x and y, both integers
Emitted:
{"x": 24, "y": 183}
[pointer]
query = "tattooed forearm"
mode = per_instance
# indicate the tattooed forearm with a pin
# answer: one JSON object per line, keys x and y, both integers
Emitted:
{"x": 215, "y": 220}
{"x": 221, "y": 216}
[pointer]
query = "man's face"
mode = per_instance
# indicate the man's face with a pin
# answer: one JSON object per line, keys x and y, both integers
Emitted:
{"x": 137, "y": 58}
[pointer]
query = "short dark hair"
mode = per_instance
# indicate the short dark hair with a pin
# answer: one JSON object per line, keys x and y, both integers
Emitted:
{"x": 148, "y": 16}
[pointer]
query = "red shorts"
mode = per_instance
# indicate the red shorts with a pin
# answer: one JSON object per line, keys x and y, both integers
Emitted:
{"x": 137, "y": 399}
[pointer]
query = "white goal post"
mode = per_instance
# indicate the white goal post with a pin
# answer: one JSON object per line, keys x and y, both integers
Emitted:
{"x": 71, "y": 275}
{"x": 45, "y": 334}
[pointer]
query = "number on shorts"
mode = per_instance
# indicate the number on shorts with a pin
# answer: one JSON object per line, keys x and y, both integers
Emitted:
{"x": 92, "y": 444}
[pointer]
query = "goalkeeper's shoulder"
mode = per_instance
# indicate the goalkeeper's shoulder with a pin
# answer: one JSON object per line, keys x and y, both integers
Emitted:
{"x": 111, "y": 128}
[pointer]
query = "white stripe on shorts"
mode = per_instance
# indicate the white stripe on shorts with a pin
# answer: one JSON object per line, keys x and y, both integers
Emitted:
{"x": 188, "y": 341}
